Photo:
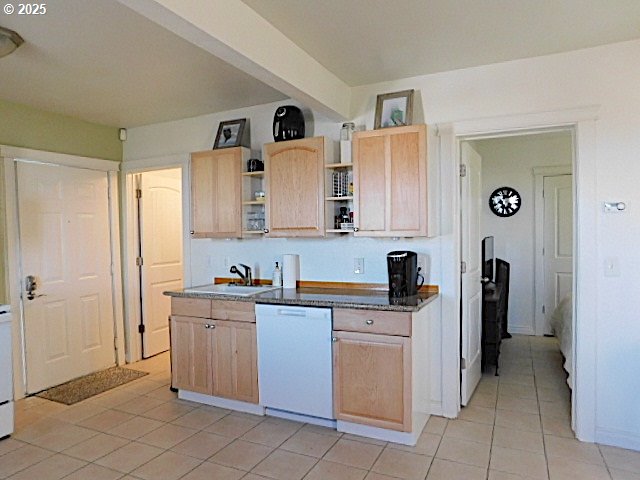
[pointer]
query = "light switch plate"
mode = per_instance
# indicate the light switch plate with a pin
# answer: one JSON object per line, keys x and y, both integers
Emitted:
{"x": 358, "y": 265}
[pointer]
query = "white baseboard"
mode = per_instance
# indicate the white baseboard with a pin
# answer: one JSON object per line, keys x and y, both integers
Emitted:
{"x": 221, "y": 402}
{"x": 618, "y": 438}
{"x": 521, "y": 330}
{"x": 403, "y": 438}
{"x": 323, "y": 422}
{"x": 436, "y": 408}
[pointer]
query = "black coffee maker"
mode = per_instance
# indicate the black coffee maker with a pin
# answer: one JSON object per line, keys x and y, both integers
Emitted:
{"x": 403, "y": 274}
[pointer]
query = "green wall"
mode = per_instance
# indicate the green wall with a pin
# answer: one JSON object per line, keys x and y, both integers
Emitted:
{"x": 22, "y": 126}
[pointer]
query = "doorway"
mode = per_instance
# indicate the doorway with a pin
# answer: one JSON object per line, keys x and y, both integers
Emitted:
{"x": 65, "y": 260}
{"x": 515, "y": 160}
{"x": 159, "y": 253}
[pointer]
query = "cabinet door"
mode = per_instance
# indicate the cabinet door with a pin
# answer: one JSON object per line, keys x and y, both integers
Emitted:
{"x": 235, "y": 372}
{"x": 372, "y": 379}
{"x": 407, "y": 184}
{"x": 390, "y": 182}
{"x": 191, "y": 354}
{"x": 216, "y": 193}
{"x": 294, "y": 173}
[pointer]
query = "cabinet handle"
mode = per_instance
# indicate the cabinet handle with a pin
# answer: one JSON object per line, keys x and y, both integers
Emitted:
{"x": 192, "y": 232}
{"x": 266, "y": 230}
{"x": 355, "y": 229}
{"x": 369, "y": 322}
{"x": 206, "y": 325}
{"x": 334, "y": 339}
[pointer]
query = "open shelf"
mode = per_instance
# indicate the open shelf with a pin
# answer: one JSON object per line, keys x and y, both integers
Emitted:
{"x": 253, "y": 202}
{"x": 338, "y": 165}
{"x": 338, "y": 230}
{"x": 253, "y": 174}
{"x": 339, "y": 199}
{"x": 252, "y": 232}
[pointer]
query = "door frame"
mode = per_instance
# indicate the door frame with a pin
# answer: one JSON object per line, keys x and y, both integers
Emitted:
{"x": 582, "y": 122}
{"x": 10, "y": 156}
{"x": 131, "y": 280}
{"x": 539, "y": 173}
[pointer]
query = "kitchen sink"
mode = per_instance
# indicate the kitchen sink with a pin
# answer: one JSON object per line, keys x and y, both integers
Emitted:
{"x": 228, "y": 289}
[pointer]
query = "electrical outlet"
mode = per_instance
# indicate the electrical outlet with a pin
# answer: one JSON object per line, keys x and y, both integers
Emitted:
{"x": 358, "y": 265}
{"x": 422, "y": 263}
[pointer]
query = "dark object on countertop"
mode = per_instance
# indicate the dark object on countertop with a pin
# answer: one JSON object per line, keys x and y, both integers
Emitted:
{"x": 288, "y": 123}
{"x": 402, "y": 267}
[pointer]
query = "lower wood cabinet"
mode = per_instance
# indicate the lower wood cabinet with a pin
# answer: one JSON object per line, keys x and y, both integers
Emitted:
{"x": 213, "y": 356}
{"x": 235, "y": 372}
{"x": 191, "y": 354}
{"x": 372, "y": 379}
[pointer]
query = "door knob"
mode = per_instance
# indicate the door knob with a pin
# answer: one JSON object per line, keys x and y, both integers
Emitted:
{"x": 31, "y": 284}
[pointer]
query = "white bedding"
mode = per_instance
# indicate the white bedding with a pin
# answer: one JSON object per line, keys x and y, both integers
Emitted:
{"x": 561, "y": 322}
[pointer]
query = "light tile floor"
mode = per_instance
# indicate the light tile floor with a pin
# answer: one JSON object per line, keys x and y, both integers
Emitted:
{"x": 516, "y": 427}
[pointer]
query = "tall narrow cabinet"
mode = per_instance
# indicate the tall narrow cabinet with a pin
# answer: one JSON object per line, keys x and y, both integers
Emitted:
{"x": 216, "y": 192}
{"x": 294, "y": 177}
{"x": 390, "y": 182}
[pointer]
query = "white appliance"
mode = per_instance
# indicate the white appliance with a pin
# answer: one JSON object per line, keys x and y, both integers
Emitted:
{"x": 6, "y": 373}
{"x": 295, "y": 362}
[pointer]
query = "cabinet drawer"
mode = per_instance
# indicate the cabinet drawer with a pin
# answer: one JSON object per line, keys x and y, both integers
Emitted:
{"x": 191, "y": 307}
{"x": 372, "y": 321}
{"x": 233, "y": 310}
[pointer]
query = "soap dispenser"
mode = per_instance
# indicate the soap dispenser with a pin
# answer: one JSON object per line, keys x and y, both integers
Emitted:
{"x": 277, "y": 276}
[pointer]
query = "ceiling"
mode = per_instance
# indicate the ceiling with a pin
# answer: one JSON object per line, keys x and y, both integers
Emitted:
{"x": 114, "y": 67}
{"x": 370, "y": 41}
{"x": 110, "y": 65}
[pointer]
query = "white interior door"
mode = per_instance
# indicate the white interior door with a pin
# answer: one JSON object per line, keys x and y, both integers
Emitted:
{"x": 558, "y": 242}
{"x": 471, "y": 202}
{"x": 161, "y": 250}
{"x": 65, "y": 246}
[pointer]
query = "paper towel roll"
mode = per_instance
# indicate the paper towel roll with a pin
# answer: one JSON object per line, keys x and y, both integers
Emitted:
{"x": 290, "y": 270}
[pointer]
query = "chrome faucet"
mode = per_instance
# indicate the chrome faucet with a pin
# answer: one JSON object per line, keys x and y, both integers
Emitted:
{"x": 247, "y": 279}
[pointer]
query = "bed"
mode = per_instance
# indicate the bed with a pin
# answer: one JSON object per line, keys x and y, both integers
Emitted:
{"x": 561, "y": 322}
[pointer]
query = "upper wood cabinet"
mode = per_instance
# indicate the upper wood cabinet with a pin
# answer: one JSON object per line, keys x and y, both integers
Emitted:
{"x": 390, "y": 182}
{"x": 216, "y": 192}
{"x": 294, "y": 176}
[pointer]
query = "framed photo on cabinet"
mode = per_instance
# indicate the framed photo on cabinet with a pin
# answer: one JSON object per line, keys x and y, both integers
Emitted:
{"x": 394, "y": 109}
{"x": 230, "y": 134}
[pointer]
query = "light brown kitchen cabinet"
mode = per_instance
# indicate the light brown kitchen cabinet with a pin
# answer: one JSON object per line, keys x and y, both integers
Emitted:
{"x": 235, "y": 373}
{"x": 294, "y": 177}
{"x": 191, "y": 354}
{"x": 372, "y": 380}
{"x": 372, "y": 371}
{"x": 216, "y": 192}
{"x": 217, "y": 354}
{"x": 390, "y": 182}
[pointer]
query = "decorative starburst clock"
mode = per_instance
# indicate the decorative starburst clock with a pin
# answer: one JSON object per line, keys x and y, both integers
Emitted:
{"x": 505, "y": 201}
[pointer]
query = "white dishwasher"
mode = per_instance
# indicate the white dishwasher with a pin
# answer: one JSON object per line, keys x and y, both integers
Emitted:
{"x": 295, "y": 362}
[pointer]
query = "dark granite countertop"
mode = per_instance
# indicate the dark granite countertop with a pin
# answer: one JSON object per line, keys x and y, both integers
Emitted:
{"x": 324, "y": 297}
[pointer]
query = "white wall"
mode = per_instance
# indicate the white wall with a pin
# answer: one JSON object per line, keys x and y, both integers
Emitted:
{"x": 607, "y": 78}
{"x": 328, "y": 259}
{"x": 509, "y": 162}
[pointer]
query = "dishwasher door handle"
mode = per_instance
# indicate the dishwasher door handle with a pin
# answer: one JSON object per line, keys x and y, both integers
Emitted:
{"x": 292, "y": 312}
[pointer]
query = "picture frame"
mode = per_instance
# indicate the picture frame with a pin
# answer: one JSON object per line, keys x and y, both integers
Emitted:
{"x": 394, "y": 109}
{"x": 230, "y": 134}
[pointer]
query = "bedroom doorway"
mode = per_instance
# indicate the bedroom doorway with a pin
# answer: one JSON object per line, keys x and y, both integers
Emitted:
{"x": 520, "y": 160}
